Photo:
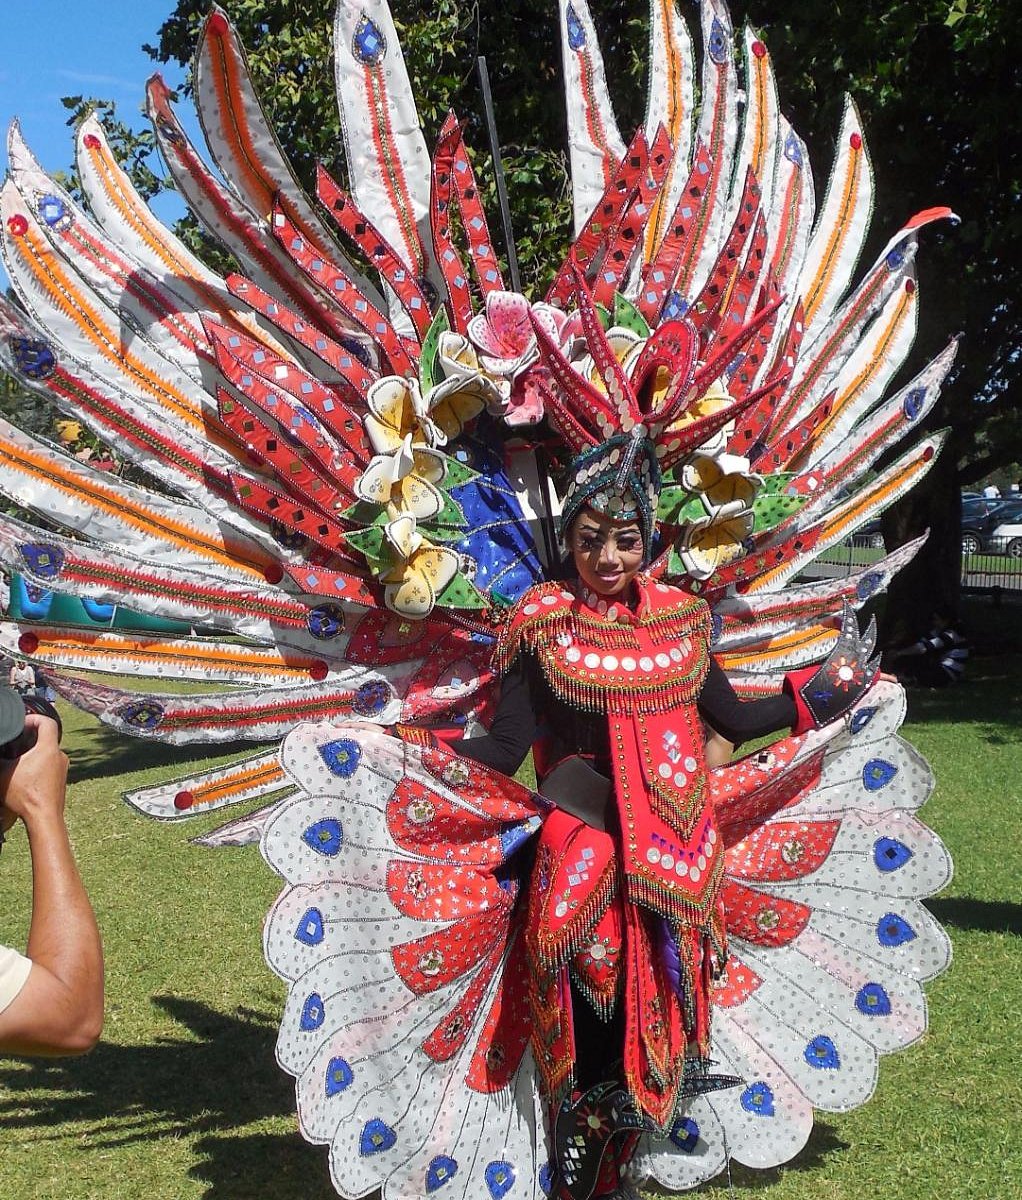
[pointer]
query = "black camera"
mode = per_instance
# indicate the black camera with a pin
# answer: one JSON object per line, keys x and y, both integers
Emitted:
{"x": 24, "y": 740}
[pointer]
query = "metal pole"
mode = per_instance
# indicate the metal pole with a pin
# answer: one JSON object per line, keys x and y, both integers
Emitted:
{"x": 498, "y": 172}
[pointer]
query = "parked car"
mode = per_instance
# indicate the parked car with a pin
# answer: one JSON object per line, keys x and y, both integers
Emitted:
{"x": 1006, "y": 537}
{"x": 980, "y": 519}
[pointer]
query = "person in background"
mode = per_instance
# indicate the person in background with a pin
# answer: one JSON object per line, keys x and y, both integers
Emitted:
{"x": 21, "y": 677}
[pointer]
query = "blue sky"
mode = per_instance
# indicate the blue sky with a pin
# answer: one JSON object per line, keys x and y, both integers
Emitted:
{"x": 82, "y": 47}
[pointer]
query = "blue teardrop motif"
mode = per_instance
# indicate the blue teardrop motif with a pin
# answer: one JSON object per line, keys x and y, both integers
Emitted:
{"x": 576, "y": 33}
{"x": 894, "y": 930}
{"x": 868, "y": 584}
{"x": 500, "y": 1178}
{"x": 313, "y": 1012}
{"x": 441, "y": 1170}
{"x": 717, "y": 44}
{"x": 877, "y": 774}
{"x": 914, "y": 402}
{"x": 368, "y": 45}
{"x": 822, "y": 1054}
{"x": 339, "y": 1076}
{"x": 873, "y": 1000}
{"x": 377, "y": 1136}
{"x": 325, "y": 836}
{"x": 758, "y": 1099}
{"x": 861, "y": 719}
{"x": 342, "y": 756}
{"x": 54, "y": 212}
{"x": 310, "y": 927}
{"x": 889, "y": 854}
{"x": 792, "y": 150}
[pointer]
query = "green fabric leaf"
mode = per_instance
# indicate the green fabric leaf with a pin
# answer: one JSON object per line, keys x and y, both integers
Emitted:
{"x": 628, "y": 316}
{"x": 430, "y": 346}
{"x": 456, "y": 473}
{"x": 461, "y": 593}
{"x": 370, "y": 542}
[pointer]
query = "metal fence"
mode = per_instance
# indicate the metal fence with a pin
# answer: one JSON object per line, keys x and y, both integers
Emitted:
{"x": 996, "y": 569}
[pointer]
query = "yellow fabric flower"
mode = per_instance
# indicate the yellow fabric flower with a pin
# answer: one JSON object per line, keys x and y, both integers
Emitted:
{"x": 421, "y": 569}
{"x": 466, "y": 388}
{"x": 404, "y": 481}
{"x": 708, "y": 545}
{"x": 396, "y": 412}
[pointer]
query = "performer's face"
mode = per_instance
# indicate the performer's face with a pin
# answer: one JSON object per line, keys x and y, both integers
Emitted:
{"x": 607, "y": 553}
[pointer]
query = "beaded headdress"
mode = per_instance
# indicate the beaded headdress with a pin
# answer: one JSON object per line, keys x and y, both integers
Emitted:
{"x": 631, "y": 416}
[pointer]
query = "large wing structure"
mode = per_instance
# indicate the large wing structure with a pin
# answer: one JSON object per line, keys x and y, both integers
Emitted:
{"x": 320, "y": 489}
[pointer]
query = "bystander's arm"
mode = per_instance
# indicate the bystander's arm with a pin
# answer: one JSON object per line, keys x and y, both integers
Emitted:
{"x": 59, "y": 1010}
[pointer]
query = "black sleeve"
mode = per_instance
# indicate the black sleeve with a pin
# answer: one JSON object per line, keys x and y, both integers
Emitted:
{"x": 742, "y": 720}
{"x": 514, "y": 726}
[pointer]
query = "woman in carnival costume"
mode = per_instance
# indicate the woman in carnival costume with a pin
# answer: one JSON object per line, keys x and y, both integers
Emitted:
{"x": 611, "y": 680}
{"x": 646, "y": 968}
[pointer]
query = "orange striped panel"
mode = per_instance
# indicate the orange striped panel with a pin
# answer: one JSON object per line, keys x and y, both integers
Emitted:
{"x": 776, "y": 648}
{"x": 903, "y": 311}
{"x": 840, "y": 228}
{"x": 95, "y": 650}
{"x": 258, "y": 776}
{"x": 123, "y": 508}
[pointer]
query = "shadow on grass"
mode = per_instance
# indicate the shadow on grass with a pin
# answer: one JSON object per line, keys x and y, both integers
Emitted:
{"x": 107, "y": 753}
{"x": 205, "y": 1087}
{"x": 987, "y": 703}
{"x": 982, "y": 916}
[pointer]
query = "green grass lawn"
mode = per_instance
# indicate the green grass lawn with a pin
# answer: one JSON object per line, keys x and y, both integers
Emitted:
{"x": 182, "y": 1099}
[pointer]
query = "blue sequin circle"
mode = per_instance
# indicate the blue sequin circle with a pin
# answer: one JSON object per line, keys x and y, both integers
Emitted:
{"x": 324, "y": 836}
{"x": 873, "y": 1000}
{"x": 371, "y": 699}
{"x": 441, "y": 1170}
{"x": 545, "y": 1178}
{"x": 342, "y": 756}
{"x": 822, "y": 1054}
{"x": 889, "y": 854}
{"x": 376, "y": 1137}
{"x": 309, "y": 930}
{"x": 33, "y": 357}
{"x": 326, "y": 622}
{"x": 54, "y": 212}
{"x": 758, "y": 1099}
{"x": 42, "y": 559}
